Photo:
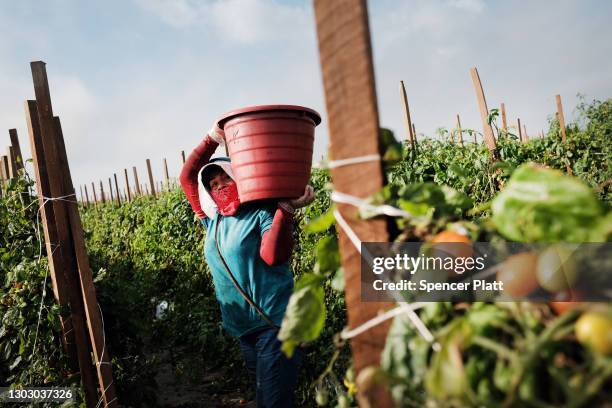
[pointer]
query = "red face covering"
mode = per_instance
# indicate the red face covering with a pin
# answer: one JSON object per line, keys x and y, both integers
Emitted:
{"x": 227, "y": 199}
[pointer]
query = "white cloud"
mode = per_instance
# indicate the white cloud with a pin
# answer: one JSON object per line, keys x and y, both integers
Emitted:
{"x": 177, "y": 13}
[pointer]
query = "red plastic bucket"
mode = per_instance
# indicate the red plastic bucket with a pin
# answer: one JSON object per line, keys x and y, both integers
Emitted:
{"x": 270, "y": 147}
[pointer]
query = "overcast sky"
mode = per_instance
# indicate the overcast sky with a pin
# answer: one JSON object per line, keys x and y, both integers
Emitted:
{"x": 142, "y": 79}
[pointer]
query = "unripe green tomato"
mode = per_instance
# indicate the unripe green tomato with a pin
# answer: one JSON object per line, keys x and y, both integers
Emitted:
{"x": 343, "y": 401}
{"x": 557, "y": 269}
{"x": 595, "y": 330}
{"x": 322, "y": 397}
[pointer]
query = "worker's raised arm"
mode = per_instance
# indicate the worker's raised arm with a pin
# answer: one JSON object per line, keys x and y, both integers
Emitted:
{"x": 196, "y": 159}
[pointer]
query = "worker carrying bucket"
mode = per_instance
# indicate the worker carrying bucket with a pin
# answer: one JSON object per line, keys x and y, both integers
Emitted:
{"x": 247, "y": 206}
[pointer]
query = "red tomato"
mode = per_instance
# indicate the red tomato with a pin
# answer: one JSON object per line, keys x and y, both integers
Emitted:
{"x": 565, "y": 301}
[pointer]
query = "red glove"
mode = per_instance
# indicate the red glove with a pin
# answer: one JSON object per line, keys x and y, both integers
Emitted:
{"x": 189, "y": 173}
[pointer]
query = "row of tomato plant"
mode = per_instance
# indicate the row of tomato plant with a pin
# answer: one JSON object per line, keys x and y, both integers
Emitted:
{"x": 148, "y": 253}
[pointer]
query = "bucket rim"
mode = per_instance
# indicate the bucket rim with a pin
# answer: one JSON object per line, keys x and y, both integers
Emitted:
{"x": 314, "y": 115}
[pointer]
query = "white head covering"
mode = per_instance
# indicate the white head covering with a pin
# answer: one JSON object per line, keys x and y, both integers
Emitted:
{"x": 206, "y": 201}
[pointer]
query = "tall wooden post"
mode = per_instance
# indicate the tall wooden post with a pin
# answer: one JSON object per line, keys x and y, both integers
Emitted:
{"x": 12, "y": 163}
{"x": 151, "y": 181}
{"x": 93, "y": 188}
{"x": 127, "y": 185}
{"x": 166, "y": 175}
{"x": 561, "y": 117}
{"x": 110, "y": 189}
{"x": 16, "y": 148}
{"x": 117, "y": 189}
{"x": 71, "y": 242}
{"x": 503, "y": 115}
{"x": 520, "y": 130}
{"x": 138, "y": 190}
{"x": 6, "y": 167}
{"x": 55, "y": 258}
{"x": 86, "y": 195}
{"x": 484, "y": 114}
{"x": 407, "y": 120}
{"x": 102, "y": 198}
{"x": 459, "y": 130}
{"x": 61, "y": 258}
{"x": 350, "y": 99}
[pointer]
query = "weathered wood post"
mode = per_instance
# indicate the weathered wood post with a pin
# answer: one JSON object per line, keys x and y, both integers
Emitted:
{"x": 95, "y": 197}
{"x": 407, "y": 120}
{"x": 71, "y": 241}
{"x": 16, "y": 148}
{"x": 183, "y": 156}
{"x": 110, "y": 189}
{"x": 459, "y": 130}
{"x": 489, "y": 138}
{"x": 525, "y": 135}
{"x": 520, "y": 129}
{"x": 151, "y": 181}
{"x": 11, "y": 162}
{"x": 117, "y": 189}
{"x": 62, "y": 264}
{"x": 560, "y": 117}
{"x": 102, "y": 197}
{"x": 5, "y": 168}
{"x": 503, "y": 115}
{"x": 127, "y": 185}
{"x": 350, "y": 99}
{"x": 166, "y": 175}
{"x": 137, "y": 183}
{"x": 86, "y": 194}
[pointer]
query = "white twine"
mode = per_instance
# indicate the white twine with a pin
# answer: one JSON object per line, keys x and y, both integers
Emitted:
{"x": 100, "y": 362}
{"x": 104, "y": 394}
{"x": 385, "y": 209}
{"x": 353, "y": 160}
{"x": 404, "y": 306}
{"x": 390, "y": 314}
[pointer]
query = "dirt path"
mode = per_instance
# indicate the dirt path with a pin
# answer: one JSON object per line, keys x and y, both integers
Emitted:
{"x": 216, "y": 389}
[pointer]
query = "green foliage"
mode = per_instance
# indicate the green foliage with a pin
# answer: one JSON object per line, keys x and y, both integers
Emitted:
{"x": 30, "y": 351}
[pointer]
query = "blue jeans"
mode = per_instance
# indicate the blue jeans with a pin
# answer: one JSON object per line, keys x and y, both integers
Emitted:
{"x": 274, "y": 375}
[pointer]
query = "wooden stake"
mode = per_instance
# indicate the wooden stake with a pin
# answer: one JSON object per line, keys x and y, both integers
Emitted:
{"x": 484, "y": 114}
{"x": 151, "y": 181}
{"x": 561, "y": 118}
{"x": 93, "y": 311}
{"x": 74, "y": 250}
{"x": 60, "y": 257}
{"x": 102, "y": 198}
{"x": 183, "y": 156}
{"x": 459, "y": 130}
{"x": 93, "y": 188}
{"x": 407, "y": 120}
{"x": 4, "y": 163}
{"x": 16, "y": 148}
{"x": 166, "y": 175}
{"x": 11, "y": 162}
{"x": 127, "y": 185}
{"x": 146, "y": 189}
{"x": 86, "y": 194}
{"x": 138, "y": 189}
{"x": 525, "y": 135}
{"x": 110, "y": 189}
{"x": 503, "y": 115}
{"x": 117, "y": 189}
{"x": 350, "y": 98}
{"x": 520, "y": 130}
